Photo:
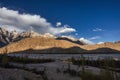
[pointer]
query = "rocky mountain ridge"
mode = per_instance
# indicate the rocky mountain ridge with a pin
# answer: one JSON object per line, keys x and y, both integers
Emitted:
{"x": 47, "y": 43}
{"x": 52, "y": 45}
{"x": 7, "y": 37}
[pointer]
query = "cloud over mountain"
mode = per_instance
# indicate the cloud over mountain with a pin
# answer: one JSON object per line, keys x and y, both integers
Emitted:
{"x": 22, "y": 22}
{"x": 86, "y": 41}
{"x": 94, "y": 37}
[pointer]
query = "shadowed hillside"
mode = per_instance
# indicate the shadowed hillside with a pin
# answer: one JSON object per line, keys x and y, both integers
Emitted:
{"x": 103, "y": 50}
{"x": 72, "y": 50}
{"x": 55, "y": 50}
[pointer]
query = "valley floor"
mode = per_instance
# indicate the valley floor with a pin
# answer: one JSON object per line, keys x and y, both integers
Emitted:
{"x": 17, "y": 74}
{"x": 60, "y": 69}
{"x": 55, "y": 70}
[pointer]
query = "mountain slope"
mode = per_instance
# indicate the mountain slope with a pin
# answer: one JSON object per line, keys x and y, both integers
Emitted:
{"x": 52, "y": 45}
{"x": 7, "y": 37}
{"x": 115, "y": 46}
{"x": 54, "y": 50}
{"x": 17, "y": 42}
{"x": 37, "y": 43}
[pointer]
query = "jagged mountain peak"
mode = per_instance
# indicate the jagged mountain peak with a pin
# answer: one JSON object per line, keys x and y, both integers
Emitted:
{"x": 7, "y": 37}
{"x": 3, "y": 31}
{"x": 14, "y": 32}
{"x": 29, "y": 34}
{"x": 27, "y": 40}
{"x": 35, "y": 34}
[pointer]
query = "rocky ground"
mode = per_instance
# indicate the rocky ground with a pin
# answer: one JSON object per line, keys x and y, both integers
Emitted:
{"x": 46, "y": 71}
{"x": 52, "y": 73}
{"x": 17, "y": 74}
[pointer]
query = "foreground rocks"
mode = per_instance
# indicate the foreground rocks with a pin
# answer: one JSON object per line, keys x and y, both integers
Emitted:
{"x": 17, "y": 74}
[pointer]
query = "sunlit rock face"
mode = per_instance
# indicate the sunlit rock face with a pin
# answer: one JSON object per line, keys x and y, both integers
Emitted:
{"x": 15, "y": 42}
{"x": 7, "y": 37}
{"x": 38, "y": 43}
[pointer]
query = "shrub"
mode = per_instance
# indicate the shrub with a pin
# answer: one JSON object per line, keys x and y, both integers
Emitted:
{"x": 4, "y": 60}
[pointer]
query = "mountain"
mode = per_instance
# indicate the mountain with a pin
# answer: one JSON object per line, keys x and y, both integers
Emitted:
{"x": 52, "y": 45}
{"x": 117, "y": 42}
{"x": 15, "y": 41}
{"x": 7, "y": 37}
{"x": 37, "y": 43}
{"x": 47, "y": 43}
{"x": 104, "y": 50}
{"x": 110, "y": 45}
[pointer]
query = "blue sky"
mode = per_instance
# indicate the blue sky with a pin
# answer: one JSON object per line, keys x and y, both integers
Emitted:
{"x": 95, "y": 20}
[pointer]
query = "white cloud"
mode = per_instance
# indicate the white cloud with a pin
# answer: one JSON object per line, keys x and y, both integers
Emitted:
{"x": 69, "y": 37}
{"x": 11, "y": 28}
{"x": 64, "y": 30}
{"x": 97, "y": 29}
{"x": 14, "y": 20}
{"x": 86, "y": 41}
{"x": 58, "y": 24}
{"x": 95, "y": 37}
{"x": 61, "y": 30}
